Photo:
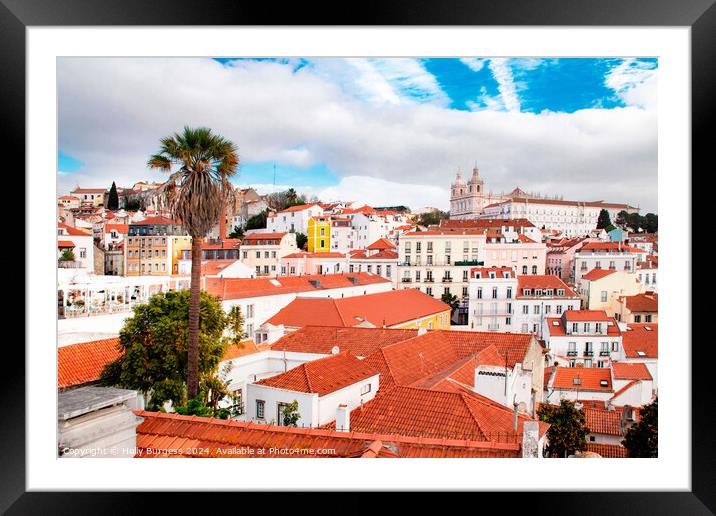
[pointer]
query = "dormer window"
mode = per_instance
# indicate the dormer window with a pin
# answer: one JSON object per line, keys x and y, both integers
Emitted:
{"x": 575, "y": 328}
{"x": 538, "y": 292}
{"x": 586, "y": 327}
{"x": 560, "y": 291}
{"x": 527, "y": 292}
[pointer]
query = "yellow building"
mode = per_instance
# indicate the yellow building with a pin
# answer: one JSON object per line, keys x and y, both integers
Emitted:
{"x": 319, "y": 235}
{"x": 154, "y": 247}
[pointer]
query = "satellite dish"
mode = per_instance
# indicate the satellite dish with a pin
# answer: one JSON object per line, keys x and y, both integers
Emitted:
{"x": 335, "y": 350}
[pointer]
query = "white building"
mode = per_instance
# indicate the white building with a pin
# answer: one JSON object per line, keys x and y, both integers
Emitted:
{"x": 293, "y": 219}
{"x": 81, "y": 244}
{"x": 320, "y": 387}
{"x": 381, "y": 258}
{"x": 263, "y": 251}
{"x": 604, "y": 255}
{"x": 587, "y": 338}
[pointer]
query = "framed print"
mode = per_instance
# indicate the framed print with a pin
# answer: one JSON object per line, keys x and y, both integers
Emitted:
{"x": 428, "y": 235}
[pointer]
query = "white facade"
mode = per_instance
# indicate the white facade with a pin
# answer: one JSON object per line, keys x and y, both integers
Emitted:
{"x": 587, "y": 260}
{"x": 586, "y": 342}
{"x": 314, "y": 410}
{"x": 294, "y": 219}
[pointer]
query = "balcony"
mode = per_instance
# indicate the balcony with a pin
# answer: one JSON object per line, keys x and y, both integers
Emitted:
{"x": 469, "y": 262}
{"x": 493, "y": 327}
{"x": 604, "y": 353}
{"x": 589, "y": 353}
{"x": 571, "y": 353}
{"x": 407, "y": 280}
{"x": 429, "y": 280}
{"x": 447, "y": 280}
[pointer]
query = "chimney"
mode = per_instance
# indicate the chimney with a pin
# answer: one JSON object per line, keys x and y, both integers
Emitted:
{"x": 530, "y": 440}
{"x": 514, "y": 415}
{"x": 343, "y": 418}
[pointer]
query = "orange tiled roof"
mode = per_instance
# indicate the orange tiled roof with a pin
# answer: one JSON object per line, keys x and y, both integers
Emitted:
{"x": 608, "y": 451}
{"x": 242, "y": 349}
{"x": 590, "y": 377}
{"x": 178, "y": 435}
{"x": 214, "y": 267}
{"x": 597, "y": 274}
{"x": 428, "y": 413}
{"x": 240, "y": 288}
{"x": 630, "y": 371}
{"x": 609, "y": 246}
{"x": 380, "y": 309}
{"x": 119, "y": 228}
{"x": 382, "y": 243}
{"x": 380, "y": 255}
{"x": 63, "y": 244}
{"x": 638, "y": 339}
{"x": 226, "y": 243}
{"x": 248, "y": 239}
{"x": 545, "y": 281}
{"x": 322, "y": 376}
{"x": 625, "y": 388}
{"x": 83, "y": 362}
{"x": 647, "y": 302}
{"x": 357, "y": 341}
{"x": 602, "y": 421}
{"x": 300, "y": 207}
{"x": 557, "y": 329}
{"x": 73, "y": 231}
{"x": 304, "y": 254}
{"x": 411, "y": 360}
{"x": 486, "y": 223}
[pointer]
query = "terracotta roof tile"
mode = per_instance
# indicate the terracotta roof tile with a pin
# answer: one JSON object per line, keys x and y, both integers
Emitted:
{"x": 63, "y": 244}
{"x": 380, "y": 309}
{"x": 640, "y": 342}
{"x": 590, "y": 379}
{"x": 322, "y": 376}
{"x": 382, "y": 243}
{"x": 240, "y": 288}
{"x": 357, "y": 341}
{"x": 83, "y": 362}
{"x": 597, "y": 274}
{"x": 545, "y": 281}
{"x": 176, "y": 436}
{"x": 608, "y": 451}
{"x": 602, "y": 421}
{"x": 630, "y": 371}
{"x": 73, "y": 231}
{"x": 646, "y": 302}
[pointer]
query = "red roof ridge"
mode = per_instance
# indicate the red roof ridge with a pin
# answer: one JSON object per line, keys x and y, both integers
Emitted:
{"x": 624, "y": 389}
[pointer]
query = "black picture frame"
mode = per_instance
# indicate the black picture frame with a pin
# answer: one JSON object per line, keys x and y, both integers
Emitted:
{"x": 700, "y": 15}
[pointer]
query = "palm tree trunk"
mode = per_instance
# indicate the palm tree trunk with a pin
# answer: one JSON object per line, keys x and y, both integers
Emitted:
{"x": 194, "y": 301}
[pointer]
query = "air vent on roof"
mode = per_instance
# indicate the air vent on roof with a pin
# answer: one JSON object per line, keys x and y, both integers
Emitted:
{"x": 316, "y": 283}
{"x": 641, "y": 353}
{"x": 610, "y": 323}
{"x": 555, "y": 323}
{"x": 647, "y": 328}
{"x": 353, "y": 279}
{"x": 275, "y": 283}
{"x": 577, "y": 381}
{"x": 603, "y": 383}
{"x": 335, "y": 350}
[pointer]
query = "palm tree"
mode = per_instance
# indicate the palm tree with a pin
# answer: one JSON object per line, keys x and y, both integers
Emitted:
{"x": 195, "y": 194}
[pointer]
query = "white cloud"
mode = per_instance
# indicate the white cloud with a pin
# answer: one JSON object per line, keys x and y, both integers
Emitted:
{"x": 635, "y": 82}
{"x": 474, "y": 63}
{"x": 502, "y": 73}
{"x": 113, "y": 111}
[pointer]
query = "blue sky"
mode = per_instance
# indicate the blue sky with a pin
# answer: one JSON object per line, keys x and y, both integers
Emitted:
{"x": 327, "y": 122}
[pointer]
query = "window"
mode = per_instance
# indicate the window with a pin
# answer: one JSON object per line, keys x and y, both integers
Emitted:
{"x": 479, "y": 293}
{"x": 524, "y": 269}
{"x": 83, "y": 252}
{"x": 245, "y": 254}
{"x": 365, "y": 389}
{"x": 258, "y": 254}
{"x": 429, "y": 291}
{"x": 494, "y": 293}
{"x": 525, "y": 309}
{"x": 260, "y": 409}
{"x": 604, "y": 296}
{"x": 615, "y": 346}
{"x": 647, "y": 318}
{"x": 387, "y": 271}
{"x": 508, "y": 321}
{"x": 524, "y": 328}
{"x": 588, "y": 362}
{"x": 465, "y": 275}
{"x": 509, "y": 292}
{"x": 575, "y": 327}
{"x": 534, "y": 269}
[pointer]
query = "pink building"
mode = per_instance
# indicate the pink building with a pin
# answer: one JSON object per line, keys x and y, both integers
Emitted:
{"x": 560, "y": 257}
{"x": 526, "y": 256}
{"x": 302, "y": 263}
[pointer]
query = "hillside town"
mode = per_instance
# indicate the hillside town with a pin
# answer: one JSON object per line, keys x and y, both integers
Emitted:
{"x": 331, "y": 328}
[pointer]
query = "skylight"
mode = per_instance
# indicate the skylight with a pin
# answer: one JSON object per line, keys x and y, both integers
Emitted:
{"x": 647, "y": 328}
{"x": 275, "y": 283}
{"x": 641, "y": 353}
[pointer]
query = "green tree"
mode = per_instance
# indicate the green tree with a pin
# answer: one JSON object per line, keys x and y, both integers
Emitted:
{"x": 154, "y": 343}
{"x": 67, "y": 256}
{"x": 238, "y": 232}
{"x": 452, "y": 300}
{"x": 258, "y": 221}
{"x": 621, "y": 220}
{"x": 235, "y": 324}
{"x": 642, "y": 439}
{"x": 195, "y": 407}
{"x": 603, "y": 220}
{"x": 113, "y": 198}
{"x": 568, "y": 428}
{"x": 195, "y": 193}
{"x": 651, "y": 223}
{"x": 290, "y": 414}
{"x": 301, "y": 241}
{"x": 432, "y": 218}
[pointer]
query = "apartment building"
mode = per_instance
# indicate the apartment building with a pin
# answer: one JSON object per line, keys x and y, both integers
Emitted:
{"x": 293, "y": 219}
{"x": 540, "y": 297}
{"x": 584, "y": 338}
{"x": 154, "y": 247}
{"x": 319, "y": 234}
{"x": 639, "y": 308}
{"x": 380, "y": 257}
{"x": 438, "y": 262}
{"x": 599, "y": 288}
{"x": 263, "y": 251}
{"x": 604, "y": 255}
